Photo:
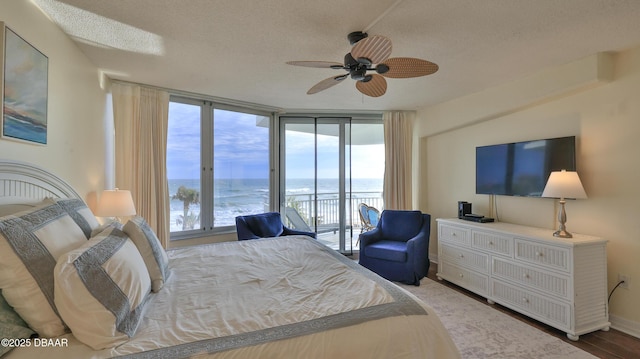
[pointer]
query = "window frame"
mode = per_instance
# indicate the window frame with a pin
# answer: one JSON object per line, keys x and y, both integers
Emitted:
{"x": 207, "y": 119}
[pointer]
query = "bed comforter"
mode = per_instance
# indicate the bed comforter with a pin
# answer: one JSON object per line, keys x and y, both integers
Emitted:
{"x": 285, "y": 297}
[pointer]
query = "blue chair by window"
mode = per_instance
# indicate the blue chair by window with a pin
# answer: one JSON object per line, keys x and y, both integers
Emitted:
{"x": 398, "y": 248}
{"x": 264, "y": 225}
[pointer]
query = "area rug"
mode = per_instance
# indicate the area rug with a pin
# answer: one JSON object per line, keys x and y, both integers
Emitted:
{"x": 481, "y": 331}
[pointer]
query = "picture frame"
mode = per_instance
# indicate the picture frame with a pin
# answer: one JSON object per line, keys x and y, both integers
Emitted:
{"x": 24, "y": 82}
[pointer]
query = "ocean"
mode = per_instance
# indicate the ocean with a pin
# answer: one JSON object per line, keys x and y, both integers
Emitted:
{"x": 234, "y": 197}
{"x": 24, "y": 130}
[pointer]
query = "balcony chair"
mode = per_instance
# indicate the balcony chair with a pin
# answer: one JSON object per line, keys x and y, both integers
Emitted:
{"x": 369, "y": 216}
{"x": 264, "y": 225}
{"x": 298, "y": 223}
{"x": 398, "y": 248}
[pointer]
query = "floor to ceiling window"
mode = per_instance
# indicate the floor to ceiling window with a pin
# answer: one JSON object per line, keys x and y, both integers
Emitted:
{"x": 217, "y": 165}
{"x": 328, "y": 166}
{"x": 224, "y": 161}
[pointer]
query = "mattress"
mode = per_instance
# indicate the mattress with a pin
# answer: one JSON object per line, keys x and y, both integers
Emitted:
{"x": 285, "y": 297}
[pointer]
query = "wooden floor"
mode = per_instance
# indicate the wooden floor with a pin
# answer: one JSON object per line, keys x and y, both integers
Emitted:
{"x": 607, "y": 345}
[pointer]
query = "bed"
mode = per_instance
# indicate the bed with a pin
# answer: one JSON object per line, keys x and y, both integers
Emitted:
{"x": 286, "y": 297}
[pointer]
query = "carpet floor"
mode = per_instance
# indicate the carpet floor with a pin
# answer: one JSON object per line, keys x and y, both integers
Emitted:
{"x": 481, "y": 331}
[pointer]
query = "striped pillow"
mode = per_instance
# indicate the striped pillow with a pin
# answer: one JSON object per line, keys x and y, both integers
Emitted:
{"x": 101, "y": 289}
{"x": 155, "y": 257}
{"x": 80, "y": 213}
{"x": 30, "y": 244}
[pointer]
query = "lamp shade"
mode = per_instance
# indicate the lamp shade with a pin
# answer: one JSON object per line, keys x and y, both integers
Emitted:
{"x": 115, "y": 203}
{"x": 564, "y": 184}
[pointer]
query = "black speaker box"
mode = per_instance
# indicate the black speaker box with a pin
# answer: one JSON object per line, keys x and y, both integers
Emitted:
{"x": 464, "y": 208}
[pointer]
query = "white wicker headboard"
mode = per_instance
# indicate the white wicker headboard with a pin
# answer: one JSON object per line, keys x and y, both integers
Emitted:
{"x": 22, "y": 182}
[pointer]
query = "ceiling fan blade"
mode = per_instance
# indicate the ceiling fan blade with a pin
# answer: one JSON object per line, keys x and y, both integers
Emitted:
{"x": 375, "y": 87}
{"x": 318, "y": 64}
{"x": 376, "y": 48}
{"x": 326, "y": 83}
{"x": 405, "y": 67}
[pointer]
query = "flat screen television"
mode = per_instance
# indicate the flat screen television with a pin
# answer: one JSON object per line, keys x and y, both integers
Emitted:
{"x": 522, "y": 168}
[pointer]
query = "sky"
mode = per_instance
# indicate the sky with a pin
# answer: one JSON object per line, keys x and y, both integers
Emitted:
{"x": 242, "y": 149}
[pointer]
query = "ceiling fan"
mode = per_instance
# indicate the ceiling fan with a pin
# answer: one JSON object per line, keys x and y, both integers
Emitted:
{"x": 369, "y": 54}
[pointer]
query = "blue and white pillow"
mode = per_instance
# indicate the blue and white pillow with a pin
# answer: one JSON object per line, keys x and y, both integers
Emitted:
{"x": 101, "y": 289}
{"x": 81, "y": 214}
{"x": 30, "y": 244}
{"x": 155, "y": 257}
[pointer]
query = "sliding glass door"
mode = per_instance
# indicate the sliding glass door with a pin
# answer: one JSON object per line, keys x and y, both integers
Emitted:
{"x": 316, "y": 178}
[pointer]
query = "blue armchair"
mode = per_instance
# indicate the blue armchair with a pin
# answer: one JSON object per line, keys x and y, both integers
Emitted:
{"x": 398, "y": 248}
{"x": 264, "y": 225}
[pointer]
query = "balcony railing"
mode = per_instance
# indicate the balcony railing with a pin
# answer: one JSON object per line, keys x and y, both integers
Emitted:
{"x": 328, "y": 211}
{"x": 328, "y": 207}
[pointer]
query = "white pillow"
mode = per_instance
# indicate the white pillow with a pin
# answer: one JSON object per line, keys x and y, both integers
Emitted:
{"x": 101, "y": 289}
{"x": 81, "y": 214}
{"x": 30, "y": 244}
{"x": 155, "y": 257}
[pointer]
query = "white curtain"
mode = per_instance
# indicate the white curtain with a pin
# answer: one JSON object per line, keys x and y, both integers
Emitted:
{"x": 398, "y": 143}
{"x": 141, "y": 118}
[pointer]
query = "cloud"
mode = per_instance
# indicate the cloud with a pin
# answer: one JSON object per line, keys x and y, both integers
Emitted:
{"x": 241, "y": 148}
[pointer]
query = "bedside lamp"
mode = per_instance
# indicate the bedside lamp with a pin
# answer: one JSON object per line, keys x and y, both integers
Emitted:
{"x": 563, "y": 184}
{"x": 116, "y": 203}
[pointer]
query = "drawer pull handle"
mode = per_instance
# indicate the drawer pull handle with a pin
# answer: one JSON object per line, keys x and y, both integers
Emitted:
{"x": 490, "y": 243}
{"x": 526, "y": 276}
{"x": 525, "y": 300}
{"x": 462, "y": 256}
{"x": 539, "y": 254}
{"x": 454, "y": 234}
{"x": 461, "y": 275}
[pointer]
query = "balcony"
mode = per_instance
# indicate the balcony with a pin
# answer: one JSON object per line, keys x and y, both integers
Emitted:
{"x": 328, "y": 216}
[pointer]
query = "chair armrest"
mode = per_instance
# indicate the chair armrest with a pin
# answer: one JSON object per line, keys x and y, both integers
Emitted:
{"x": 242, "y": 230}
{"x": 416, "y": 240}
{"x": 421, "y": 241}
{"x": 288, "y": 232}
{"x": 370, "y": 237}
{"x": 418, "y": 247}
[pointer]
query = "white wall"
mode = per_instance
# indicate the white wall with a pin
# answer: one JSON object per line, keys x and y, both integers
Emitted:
{"x": 75, "y": 149}
{"x": 605, "y": 117}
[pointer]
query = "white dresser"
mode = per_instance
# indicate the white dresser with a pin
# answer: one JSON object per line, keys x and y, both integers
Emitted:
{"x": 558, "y": 281}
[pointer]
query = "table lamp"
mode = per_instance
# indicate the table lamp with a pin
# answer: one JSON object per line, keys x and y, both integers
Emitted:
{"x": 116, "y": 203}
{"x": 563, "y": 184}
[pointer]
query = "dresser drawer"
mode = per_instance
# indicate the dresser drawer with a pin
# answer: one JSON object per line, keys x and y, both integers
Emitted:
{"x": 552, "y": 312}
{"x": 465, "y": 258}
{"x": 465, "y": 278}
{"x": 560, "y": 282}
{"x": 554, "y": 284}
{"x": 546, "y": 255}
{"x": 492, "y": 242}
{"x": 461, "y": 236}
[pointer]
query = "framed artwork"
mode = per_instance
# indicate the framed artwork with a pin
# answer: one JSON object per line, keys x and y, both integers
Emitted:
{"x": 24, "y": 90}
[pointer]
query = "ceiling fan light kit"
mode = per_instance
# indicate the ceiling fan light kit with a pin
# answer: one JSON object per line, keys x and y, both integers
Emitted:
{"x": 370, "y": 53}
{"x": 356, "y": 36}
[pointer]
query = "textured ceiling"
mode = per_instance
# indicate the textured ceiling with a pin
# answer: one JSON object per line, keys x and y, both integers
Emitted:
{"x": 237, "y": 49}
